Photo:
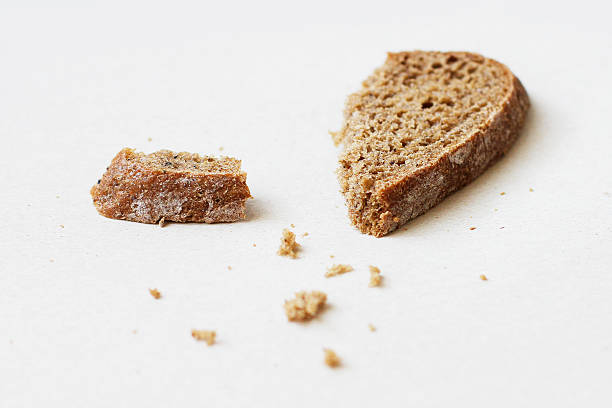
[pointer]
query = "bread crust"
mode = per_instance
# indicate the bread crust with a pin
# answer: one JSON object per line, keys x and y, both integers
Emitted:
{"x": 131, "y": 190}
{"x": 405, "y": 198}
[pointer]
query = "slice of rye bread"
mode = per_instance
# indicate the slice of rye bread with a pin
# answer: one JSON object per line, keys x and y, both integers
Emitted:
{"x": 181, "y": 187}
{"x": 424, "y": 125}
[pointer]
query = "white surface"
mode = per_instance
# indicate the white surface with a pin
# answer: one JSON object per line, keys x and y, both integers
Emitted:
{"x": 267, "y": 82}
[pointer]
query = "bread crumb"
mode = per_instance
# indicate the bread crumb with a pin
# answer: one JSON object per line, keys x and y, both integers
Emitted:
{"x": 288, "y": 245}
{"x": 472, "y": 228}
{"x": 204, "y": 335}
{"x": 149, "y": 139}
{"x": 155, "y": 293}
{"x": 254, "y": 245}
{"x": 375, "y": 277}
{"x": 162, "y": 222}
{"x": 305, "y": 234}
{"x": 371, "y": 327}
{"x": 229, "y": 267}
{"x": 331, "y": 358}
{"x": 484, "y": 278}
{"x": 292, "y": 225}
{"x": 336, "y": 270}
{"x": 220, "y": 148}
{"x": 331, "y": 256}
{"x": 61, "y": 225}
{"x": 531, "y": 189}
{"x": 305, "y": 306}
{"x": 502, "y": 193}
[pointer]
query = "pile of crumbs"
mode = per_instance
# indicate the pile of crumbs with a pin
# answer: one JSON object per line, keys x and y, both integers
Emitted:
{"x": 331, "y": 358}
{"x": 155, "y": 293}
{"x": 288, "y": 246}
{"x": 375, "y": 277}
{"x": 305, "y": 306}
{"x": 204, "y": 335}
{"x": 336, "y": 270}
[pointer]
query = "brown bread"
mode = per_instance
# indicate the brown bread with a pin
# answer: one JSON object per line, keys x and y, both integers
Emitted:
{"x": 180, "y": 187}
{"x": 424, "y": 124}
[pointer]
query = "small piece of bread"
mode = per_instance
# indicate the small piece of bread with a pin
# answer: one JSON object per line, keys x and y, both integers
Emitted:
{"x": 375, "y": 277}
{"x": 424, "y": 125}
{"x": 371, "y": 327}
{"x": 180, "y": 187}
{"x": 305, "y": 306}
{"x": 204, "y": 335}
{"x": 155, "y": 293}
{"x": 331, "y": 358}
{"x": 336, "y": 270}
{"x": 288, "y": 246}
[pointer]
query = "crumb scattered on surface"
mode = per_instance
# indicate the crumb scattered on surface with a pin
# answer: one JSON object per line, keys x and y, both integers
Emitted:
{"x": 531, "y": 189}
{"x": 292, "y": 225}
{"x": 61, "y": 225}
{"x": 288, "y": 246}
{"x": 482, "y": 277}
{"x": 305, "y": 306}
{"x": 331, "y": 256}
{"x": 472, "y": 228}
{"x": 204, "y": 335}
{"x": 336, "y": 270}
{"x": 51, "y": 260}
{"x": 155, "y": 293}
{"x": 305, "y": 234}
{"x": 162, "y": 222}
{"x": 375, "y": 277}
{"x": 371, "y": 327}
{"x": 149, "y": 139}
{"x": 229, "y": 267}
{"x": 331, "y": 358}
{"x": 254, "y": 245}
{"x": 220, "y": 148}
{"x": 502, "y": 193}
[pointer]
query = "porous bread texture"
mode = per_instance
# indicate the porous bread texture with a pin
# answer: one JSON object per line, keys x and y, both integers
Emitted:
{"x": 288, "y": 246}
{"x": 168, "y": 186}
{"x": 305, "y": 306}
{"x": 424, "y": 124}
{"x": 338, "y": 269}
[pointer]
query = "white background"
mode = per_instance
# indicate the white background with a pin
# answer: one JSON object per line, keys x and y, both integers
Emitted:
{"x": 267, "y": 81}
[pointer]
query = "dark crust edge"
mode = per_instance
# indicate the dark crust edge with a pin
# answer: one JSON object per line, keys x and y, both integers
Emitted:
{"x": 413, "y": 195}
